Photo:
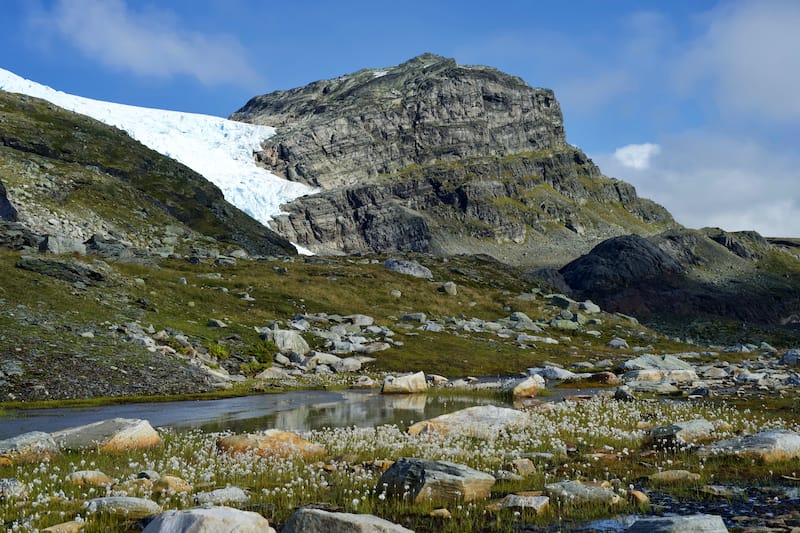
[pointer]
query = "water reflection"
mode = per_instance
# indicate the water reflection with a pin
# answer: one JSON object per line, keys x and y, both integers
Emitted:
{"x": 296, "y": 410}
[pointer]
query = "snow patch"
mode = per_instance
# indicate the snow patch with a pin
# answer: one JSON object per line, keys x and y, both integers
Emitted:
{"x": 221, "y": 150}
{"x": 380, "y": 73}
{"x": 302, "y": 250}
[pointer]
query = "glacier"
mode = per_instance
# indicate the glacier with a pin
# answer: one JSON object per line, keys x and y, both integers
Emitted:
{"x": 220, "y": 150}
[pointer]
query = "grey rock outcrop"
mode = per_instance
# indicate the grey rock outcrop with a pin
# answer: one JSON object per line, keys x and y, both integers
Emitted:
{"x": 72, "y": 271}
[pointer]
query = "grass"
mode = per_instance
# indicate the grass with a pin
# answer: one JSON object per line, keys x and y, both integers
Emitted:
{"x": 346, "y": 477}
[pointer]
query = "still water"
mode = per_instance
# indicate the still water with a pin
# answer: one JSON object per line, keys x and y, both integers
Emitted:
{"x": 296, "y": 411}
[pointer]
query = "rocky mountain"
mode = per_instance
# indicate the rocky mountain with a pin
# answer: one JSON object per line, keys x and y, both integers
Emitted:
{"x": 69, "y": 177}
{"x": 432, "y": 156}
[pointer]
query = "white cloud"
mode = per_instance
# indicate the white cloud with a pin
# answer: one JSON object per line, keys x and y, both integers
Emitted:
{"x": 147, "y": 42}
{"x": 713, "y": 180}
{"x": 636, "y": 156}
{"x": 749, "y": 55}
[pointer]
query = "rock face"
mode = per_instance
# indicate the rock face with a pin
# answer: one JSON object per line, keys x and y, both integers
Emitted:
{"x": 113, "y": 435}
{"x": 424, "y": 110}
{"x": 422, "y": 481}
{"x": 212, "y": 520}
{"x": 308, "y": 520}
{"x": 433, "y": 156}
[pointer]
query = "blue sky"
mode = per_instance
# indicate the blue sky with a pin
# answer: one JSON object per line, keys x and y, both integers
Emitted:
{"x": 697, "y": 103}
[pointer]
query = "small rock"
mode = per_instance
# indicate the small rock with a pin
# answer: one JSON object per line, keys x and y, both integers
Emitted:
{"x": 90, "y": 478}
{"x": 449, "y": 288}
{"x": 222, "y": 496}
{"x": 441, "y": 513}
{"x": 123, "y": 507}
{"x": 674, "y": 476}
{"x": 638, "y": 497}
{"x": 576, "y": 493}
{"x": 171, "y": 485}
{"x": 538, "y": 504}
{"x": 214, "y": 323}
{"x": 618, "y": 343}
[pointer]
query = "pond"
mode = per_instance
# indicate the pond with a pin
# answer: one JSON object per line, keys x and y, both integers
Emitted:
{"x": 293, "y": 411}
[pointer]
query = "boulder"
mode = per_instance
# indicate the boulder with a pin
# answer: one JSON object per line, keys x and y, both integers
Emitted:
{"x": 268, "y": 443}
{"x": 618, "y": 343}
{"x": 15, "y": 236}
{"x": 409, "y": 268}
{"x": 222, "y": 496}
{"x": 348, "y": 364}
{"x": 480, "y": 420}
{"x": 90, "y": 478}
{"x": 791, "y": 357}
{"x": 538, "y": 504}
{"x": 553, "y": 373}
{"x": 407, "y": 384}
{"x": 59, "y": 244}
{"x": 656, "y": 362}
{"x": 32, "y": 447}
{"x": 699, "y": 523}
{"x": 769, "y": 446}
{"x": 7, "y": 210}
{"x": 576, "y": 493}
{"x": 449, "y": 288}
{"x": 360, "y": 320}
{"x": 171, "y": 485}
{"x": 526, "y": 387}
{"x": 113, "y": 435}
{"x": 317, "y": 520}
{"x": 423, "y": 481}
{"x": 123, "y": 507}
{"x": 289, "y": 342}
{"x": 589, "y": 307}
{"x": 210, "y": 520}
{"x": 689, "y": 431}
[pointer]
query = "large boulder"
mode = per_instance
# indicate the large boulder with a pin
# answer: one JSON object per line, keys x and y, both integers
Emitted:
{"x": 699, "y": 523}
{"x": 409, "y": 268}
{"x": 211, "y": 520}
{"x": 59, "y": 244}
{"x": 113, "y": 435}
{"x": 481, "y": 420}
{"x": 268, "y": 443}
{"x": 123, "y": 507}
{"x": 408, "y": 384}
{"x": 319, "y": 521}
{"x": 32, "y": 447}
{"x": 436, "y": 481}
{"x": 769, "y": 446}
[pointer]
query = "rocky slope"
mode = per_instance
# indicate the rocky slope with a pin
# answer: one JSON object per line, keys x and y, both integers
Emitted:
{"x": 692, "y": 276}
{"x": 432, "y": 156}
{"x": 70, "y": 177}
